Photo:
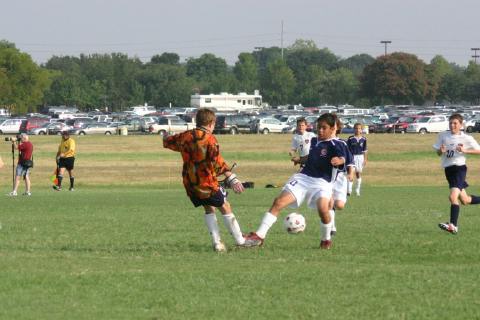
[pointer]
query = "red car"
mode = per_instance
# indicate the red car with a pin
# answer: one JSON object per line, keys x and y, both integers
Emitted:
{"x": 403, "y": 122}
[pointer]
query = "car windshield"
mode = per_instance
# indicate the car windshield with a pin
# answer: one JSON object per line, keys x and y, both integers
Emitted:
{"x": 423, "y": 120}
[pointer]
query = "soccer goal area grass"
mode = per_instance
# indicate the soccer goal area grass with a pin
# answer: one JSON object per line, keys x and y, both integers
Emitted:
{"x": 128, "y": 244}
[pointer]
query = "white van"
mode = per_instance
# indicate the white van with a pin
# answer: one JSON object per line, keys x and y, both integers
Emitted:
{"x": 10, "y": 126}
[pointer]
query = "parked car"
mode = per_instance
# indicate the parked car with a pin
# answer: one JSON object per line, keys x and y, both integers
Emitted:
{"x": 32, "y": 123}
{"x": 11, "y": 126}
{"x": 403, "y": 122}
{"x": 170, "y": 124}
{"x": 266, "y": 125}
{"x": 77, "y": 123}
{"x": 56, "y": 128}
{"x": 43, "y": 130}
{"x": 437, "y": 123}
{"x": 94, "y": 128}
{"x": 232, "y": 124}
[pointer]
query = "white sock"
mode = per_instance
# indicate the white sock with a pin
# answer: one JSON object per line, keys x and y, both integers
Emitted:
{"x": 350, "y": 185}
{"x": 233, "y": 227}
{"x": 267, "y": 222}
{"x": 212, "y": 225}
{"x": 325, "y": 230}
{"x": 332, "y": 220}
{"x": 359, "y": 183}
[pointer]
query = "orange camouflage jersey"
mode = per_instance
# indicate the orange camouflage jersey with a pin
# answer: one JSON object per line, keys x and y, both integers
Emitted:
{"x": 202, "y": 162}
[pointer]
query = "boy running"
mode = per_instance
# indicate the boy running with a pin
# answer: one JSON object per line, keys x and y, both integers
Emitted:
{"x": 312, "y": 184}
{"x": 344, "y": 176}
{"x": 452, "y": 146}
{"x": 358, "y": 147}
{"x": 202, "y": 163}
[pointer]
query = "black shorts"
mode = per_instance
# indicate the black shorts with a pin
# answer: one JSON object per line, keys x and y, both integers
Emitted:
{"x": 67, "y": 163}
{"x": 217, "y": 200}
{"x": 456, "y": 176}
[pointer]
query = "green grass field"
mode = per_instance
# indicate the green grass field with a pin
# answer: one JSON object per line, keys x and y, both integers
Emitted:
{"x": 129, "y": 245}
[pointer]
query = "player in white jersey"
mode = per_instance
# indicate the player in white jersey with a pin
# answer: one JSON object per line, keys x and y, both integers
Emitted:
{"x": 301, "y": 141}
{"x": 344, "y": 176}
{"x": 452, "y": 146}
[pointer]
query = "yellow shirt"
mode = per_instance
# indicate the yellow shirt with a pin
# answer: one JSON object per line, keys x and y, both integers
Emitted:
{"x": 67, "y": 147}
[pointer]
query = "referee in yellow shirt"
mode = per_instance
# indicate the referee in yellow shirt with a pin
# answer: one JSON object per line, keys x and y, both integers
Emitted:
{"x": 65, "y": 160}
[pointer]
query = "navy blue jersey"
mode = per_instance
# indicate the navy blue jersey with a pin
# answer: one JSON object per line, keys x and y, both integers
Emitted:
{"x": 318, "y": 163}
{"x": 357, "y": 146}
{"x": 346, "y": 154}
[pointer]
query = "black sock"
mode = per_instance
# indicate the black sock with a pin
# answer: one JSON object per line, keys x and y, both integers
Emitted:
{"x": 454, "y": 212}
{"x": 475, "y": 200}
{"x": 59, "y": 178}
{"x": 72, "y": 180}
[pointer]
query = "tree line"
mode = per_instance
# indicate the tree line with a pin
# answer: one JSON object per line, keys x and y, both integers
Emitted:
{"x": 301, "y": 73}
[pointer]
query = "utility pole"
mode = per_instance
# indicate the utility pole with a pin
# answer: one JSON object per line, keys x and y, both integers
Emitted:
{"x": 475, "y": 55}
{"x": 385, "y": 42}
{"x": 281, "y": 40}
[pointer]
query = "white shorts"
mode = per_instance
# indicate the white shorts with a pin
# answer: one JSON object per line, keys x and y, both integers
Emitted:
{"x": 309, "y": 189}
{"x": 340, "y": 187}
{"x": 358, "y": 160}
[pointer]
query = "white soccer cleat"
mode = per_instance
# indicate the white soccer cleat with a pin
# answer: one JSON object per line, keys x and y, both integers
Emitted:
{"x": 219, "y": 247}
{"x": 449, "y": 227}
{"x": 12, "y": 194}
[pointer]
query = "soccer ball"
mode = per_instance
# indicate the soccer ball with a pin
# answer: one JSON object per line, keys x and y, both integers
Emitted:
{"x": 294, "y": 223}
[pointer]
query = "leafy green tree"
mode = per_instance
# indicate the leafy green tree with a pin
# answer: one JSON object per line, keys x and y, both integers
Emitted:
{"x": 398, "y": 77}
{"x": 357, "y": 63}
{"x": 21, "y": 80}
{"x": 265, "y": 56}
{"x": 278, "y": 83}
{"x": 310, "y": 91}
{"x": 167, "y": 84}
{"x": 246, "y": 73}
{"x": 210, "y": 73}
{"x": 435, "y": 72}
{"x": 472, "y": 87}
{"x": 341, "y": 87}
{"x": 452, "y": 87}
{"x": 166, "y": 58}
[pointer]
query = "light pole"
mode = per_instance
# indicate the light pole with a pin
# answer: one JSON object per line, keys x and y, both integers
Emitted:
{"x": 475, "y": 55}
{"x": 385, "y": 42}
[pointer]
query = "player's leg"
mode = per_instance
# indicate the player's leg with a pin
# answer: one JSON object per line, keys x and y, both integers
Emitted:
{"x": 359, "y": 182}
{"x": 282, "y": 201}
{"x": 325, "y": 222}
{"x": 454, "y": 211}
{"x": 468, "y": 199}
{"x": 212, "y": 226}
{"x": 231, "y": 223}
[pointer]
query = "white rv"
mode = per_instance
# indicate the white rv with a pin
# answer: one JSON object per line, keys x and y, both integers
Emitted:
{"x": 228, "y": 102}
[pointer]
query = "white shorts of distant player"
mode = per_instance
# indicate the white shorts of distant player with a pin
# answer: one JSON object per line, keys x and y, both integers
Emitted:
{"x": 358, "y": 160}
{"x": 340, "y": 188}
{"x": 309, "y": 189}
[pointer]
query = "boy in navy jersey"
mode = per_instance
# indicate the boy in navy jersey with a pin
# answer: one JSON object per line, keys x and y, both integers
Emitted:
{"x": 314, "y": 184}
{"x": 452, "y": 146}
{"x": 358, "y": 147}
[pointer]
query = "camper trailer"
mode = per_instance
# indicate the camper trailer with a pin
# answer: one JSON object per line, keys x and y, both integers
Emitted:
{"x": 225, "y": 102}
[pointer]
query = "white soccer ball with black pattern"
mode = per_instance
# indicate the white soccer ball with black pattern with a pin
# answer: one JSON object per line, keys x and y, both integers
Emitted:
{"x": 294, "y": 223}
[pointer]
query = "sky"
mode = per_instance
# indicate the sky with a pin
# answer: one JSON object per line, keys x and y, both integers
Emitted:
{"x": 144, "y": 28}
